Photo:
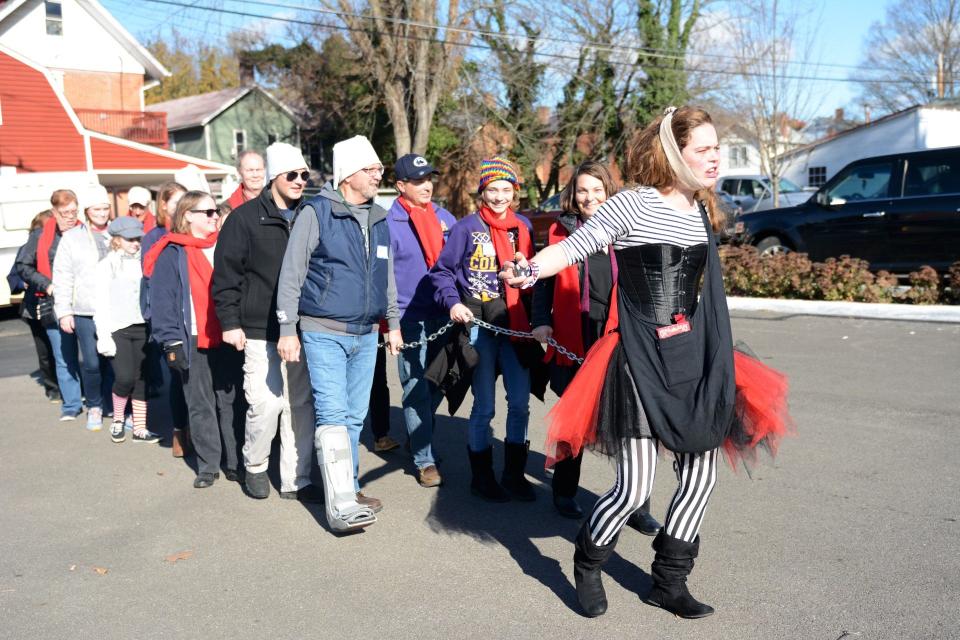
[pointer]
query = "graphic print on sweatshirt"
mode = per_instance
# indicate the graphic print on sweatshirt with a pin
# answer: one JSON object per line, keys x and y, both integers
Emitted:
{"x": 483, "y": 267}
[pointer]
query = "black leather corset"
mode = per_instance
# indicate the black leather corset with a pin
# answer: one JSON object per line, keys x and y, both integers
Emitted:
{"x": 662, "y": 279}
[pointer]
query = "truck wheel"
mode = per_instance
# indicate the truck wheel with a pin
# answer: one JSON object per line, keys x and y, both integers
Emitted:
{"x": 771, "y": 246}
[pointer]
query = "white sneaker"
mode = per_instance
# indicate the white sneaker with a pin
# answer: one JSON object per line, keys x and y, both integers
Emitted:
{"x": 94, "y": 419}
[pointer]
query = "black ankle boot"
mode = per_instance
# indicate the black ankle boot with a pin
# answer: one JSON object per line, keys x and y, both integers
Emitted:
{"x": 483, "y": 482}
{"x": 642, "y": 521}
{"x": 588, "y": 559}
{"x": 513, "y": 478}
{"x": 671, "y": 566}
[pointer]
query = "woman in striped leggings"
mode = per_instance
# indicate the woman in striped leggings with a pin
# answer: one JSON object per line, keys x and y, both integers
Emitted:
{"x": 640, "y": 383}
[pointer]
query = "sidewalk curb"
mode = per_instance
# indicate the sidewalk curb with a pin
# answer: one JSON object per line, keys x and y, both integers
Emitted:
{"x": 878, "y": 311}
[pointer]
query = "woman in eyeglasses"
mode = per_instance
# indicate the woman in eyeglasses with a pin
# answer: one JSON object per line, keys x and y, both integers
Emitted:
{"x": 180, "y": 266}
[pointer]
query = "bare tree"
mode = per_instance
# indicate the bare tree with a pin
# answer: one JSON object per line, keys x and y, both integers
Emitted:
{"x": 772, "y": 97}
{"x": 913, "y": 56}
{"x": 410, "y": 55}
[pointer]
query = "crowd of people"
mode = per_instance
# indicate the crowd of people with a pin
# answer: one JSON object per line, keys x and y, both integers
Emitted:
{"x": 273, "y": 311}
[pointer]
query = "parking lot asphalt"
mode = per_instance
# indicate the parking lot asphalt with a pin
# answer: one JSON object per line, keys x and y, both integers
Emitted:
{"x": 852, "y": 532}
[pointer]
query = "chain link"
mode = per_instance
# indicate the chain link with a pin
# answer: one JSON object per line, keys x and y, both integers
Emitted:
{"x": 513, "y": 333}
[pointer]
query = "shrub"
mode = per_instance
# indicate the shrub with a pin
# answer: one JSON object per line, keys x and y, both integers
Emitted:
{"x": 793, "y": 275}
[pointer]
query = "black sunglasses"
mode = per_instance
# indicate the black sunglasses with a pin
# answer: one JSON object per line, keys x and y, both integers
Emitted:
{"x": 210, "y": 212}
{"x": 292, "y": 175}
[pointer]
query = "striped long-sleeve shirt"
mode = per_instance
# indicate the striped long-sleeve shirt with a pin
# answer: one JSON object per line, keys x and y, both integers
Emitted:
{"x": 634, "y": 217}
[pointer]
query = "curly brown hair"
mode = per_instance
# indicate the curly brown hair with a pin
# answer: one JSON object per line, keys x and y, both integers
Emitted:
{"x": 647, "y": 164}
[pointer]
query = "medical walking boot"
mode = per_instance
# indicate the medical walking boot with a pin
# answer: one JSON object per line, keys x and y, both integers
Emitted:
{"x": 335, "y": 457}
{"x": 671, "y": 566}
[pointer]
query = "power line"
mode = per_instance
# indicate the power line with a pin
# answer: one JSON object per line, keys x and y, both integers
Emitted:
{"x": 558, "y": 56}
{"x": 653, "y": 52}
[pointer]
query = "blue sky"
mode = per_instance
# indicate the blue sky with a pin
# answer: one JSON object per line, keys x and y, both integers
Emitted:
{"x": 842, "y": 29}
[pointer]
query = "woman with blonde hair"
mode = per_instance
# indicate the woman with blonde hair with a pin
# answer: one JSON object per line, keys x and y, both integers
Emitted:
{"x": 185, "y": 324}
{"x": 666, "y": 376}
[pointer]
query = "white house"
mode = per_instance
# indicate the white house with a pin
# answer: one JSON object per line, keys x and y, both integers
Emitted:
{"x": 739, "y": 155}
{"x": 920, "y": 127}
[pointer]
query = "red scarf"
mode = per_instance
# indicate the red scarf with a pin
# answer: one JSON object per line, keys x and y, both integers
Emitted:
{"x": 506, "y": 252}
{"x": 200, "y": 272}
{"x": 426, "y": 226}
{"x": 149, "y": 221}
{"x": 567, "y": 306}
{"x": 238, "y": 197}
{"x": 44, "y": 244}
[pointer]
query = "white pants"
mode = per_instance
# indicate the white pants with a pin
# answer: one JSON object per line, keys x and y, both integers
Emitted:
{"x": 277, "y": 390}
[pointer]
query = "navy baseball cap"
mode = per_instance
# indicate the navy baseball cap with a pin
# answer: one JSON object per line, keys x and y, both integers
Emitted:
{"x": 413, "y": 166}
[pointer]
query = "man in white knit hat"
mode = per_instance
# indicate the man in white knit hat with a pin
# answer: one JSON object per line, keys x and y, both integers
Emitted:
{"x": 246, "y": 269}
{"x": 337, "y": 282}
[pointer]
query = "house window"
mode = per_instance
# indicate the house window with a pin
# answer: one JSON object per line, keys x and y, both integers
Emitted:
{"x": 738, "y": 157}
{"x": 816, "y": 176}
{"x": 54, "y": 13}
{"x": 239, "y": 141}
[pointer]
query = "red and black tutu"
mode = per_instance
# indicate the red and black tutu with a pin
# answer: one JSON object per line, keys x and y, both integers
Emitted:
{"x": 601, "y": 407}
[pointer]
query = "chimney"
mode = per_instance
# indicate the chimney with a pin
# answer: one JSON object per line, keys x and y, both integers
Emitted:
{"x": 543, "y": 115}
{"x": 838, "y": 115}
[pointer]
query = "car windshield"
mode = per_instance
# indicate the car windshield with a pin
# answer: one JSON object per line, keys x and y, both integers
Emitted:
{"x": 786, "y": 186}
{"x": 551, "y": 204}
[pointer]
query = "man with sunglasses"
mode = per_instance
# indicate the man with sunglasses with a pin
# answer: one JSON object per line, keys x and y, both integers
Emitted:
{"x": 337, "y": 283}
{"x": 247, "y": 264}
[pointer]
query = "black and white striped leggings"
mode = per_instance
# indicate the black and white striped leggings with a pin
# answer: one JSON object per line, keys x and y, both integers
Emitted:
{"x": 696, "y": 472}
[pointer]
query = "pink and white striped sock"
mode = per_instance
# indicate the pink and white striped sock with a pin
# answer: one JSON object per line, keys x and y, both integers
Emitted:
{"x": 119, "y": 405}
{"x": 139, "y": 415}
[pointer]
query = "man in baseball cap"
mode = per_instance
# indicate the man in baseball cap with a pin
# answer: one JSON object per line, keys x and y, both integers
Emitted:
{"x": 138, "y": 206}
{"x": 418, "y": 230}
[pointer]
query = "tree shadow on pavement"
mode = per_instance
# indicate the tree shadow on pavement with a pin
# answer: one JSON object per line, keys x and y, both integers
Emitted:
{"x": 518, "y": 525}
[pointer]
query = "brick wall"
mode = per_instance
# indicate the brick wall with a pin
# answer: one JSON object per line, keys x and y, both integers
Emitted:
{"x": 101, "y": 90}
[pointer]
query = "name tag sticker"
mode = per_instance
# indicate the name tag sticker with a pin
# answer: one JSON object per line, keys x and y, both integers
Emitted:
{"x": 488, "y": 250}
{"x": 382, "y": 252}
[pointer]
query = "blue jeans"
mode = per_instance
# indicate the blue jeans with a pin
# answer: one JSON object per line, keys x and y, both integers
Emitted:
{"x": 420, "y": 397}
{"x": 341, "y": 373}
{"x": 95, "y": 370}
{"x": 64, "y": 347}
{"x": 493, "y": 351}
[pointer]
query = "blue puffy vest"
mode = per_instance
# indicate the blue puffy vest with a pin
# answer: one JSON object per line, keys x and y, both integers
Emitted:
{"x": 344, "y": 282}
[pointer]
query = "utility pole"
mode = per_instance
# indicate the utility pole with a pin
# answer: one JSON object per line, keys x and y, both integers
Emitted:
{"x": 940, "y": 88}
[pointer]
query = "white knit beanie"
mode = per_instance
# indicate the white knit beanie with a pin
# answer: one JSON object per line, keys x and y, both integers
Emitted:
{"x": 92, "y": 196}
{"x": 283, "y": 157}
{"x": 349, "y": 156}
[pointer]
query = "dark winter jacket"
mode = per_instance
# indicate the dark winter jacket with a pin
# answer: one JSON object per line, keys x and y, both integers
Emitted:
{"x": 246, "y": 267}
{"x": 170, "y": 299}
{"x": 26, "y": 265}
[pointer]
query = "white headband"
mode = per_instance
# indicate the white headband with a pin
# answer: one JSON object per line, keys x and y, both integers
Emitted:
{"x": 684, "y": 175}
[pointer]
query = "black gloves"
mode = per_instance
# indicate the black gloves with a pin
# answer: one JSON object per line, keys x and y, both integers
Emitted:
{"x": 176, "y": 357}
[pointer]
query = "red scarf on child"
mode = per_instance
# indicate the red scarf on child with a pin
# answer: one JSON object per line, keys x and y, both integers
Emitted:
{"x": 44, "y": 244}
{"x": 506, "y": 251}
{"x": 426, "y": 226}
{"x": 200, "y": 272}
{"x": 568, "y": 305}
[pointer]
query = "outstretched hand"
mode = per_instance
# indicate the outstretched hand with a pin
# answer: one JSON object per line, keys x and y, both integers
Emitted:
{"x": 509, "y": 273}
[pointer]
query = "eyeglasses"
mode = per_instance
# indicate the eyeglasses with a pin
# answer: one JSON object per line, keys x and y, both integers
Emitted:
{"x": 210, "y": 212}
{"x": 378, "y": 171}
{"x": 292, "y": 175}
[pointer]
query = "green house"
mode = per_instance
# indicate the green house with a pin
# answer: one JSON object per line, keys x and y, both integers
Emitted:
{"x": 219, "y": 125}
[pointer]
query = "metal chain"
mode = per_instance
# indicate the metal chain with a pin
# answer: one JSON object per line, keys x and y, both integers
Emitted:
{"x": 513, "y": 333}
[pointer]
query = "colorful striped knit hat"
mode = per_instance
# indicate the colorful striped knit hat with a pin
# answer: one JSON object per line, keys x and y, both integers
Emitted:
{"x": 497, "y": 168}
